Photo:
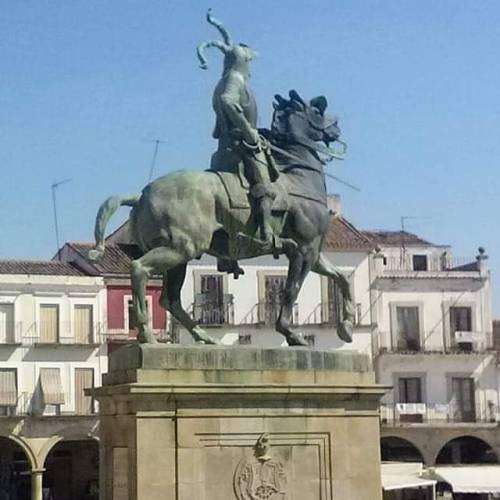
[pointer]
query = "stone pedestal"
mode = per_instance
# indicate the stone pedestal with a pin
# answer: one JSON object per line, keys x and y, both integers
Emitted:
{"x": 222, "y": 423}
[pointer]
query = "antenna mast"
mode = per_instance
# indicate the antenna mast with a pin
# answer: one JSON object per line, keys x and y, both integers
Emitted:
{"x": 157, "y": 143}
{"x": 54, "y": 187}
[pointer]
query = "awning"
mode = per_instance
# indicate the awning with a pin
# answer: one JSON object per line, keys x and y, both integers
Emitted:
{"x": 50, "y": 380}
{"x": 470, "y": 478}
{"x": 8, "y": 390}
{"x": 403, "y": 475}
{"x": 404, "y": 482}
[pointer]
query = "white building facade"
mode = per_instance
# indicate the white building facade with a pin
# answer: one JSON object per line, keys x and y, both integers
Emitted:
{"x": 50, "y": 351}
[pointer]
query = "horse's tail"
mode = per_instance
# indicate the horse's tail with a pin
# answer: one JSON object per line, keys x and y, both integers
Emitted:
{"x": 106, "y": 211}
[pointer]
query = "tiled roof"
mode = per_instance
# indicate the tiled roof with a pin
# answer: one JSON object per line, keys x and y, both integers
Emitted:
{"x": 342, "y": 235}
{"x": 41, "y": 267}
{"x": 116, "y": 259}
{"x": 395, "y": 238}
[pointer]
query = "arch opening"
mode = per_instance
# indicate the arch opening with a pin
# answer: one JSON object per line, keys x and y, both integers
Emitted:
{"x": 15, "y": 471}
{"x": 72, "y": 470}
{"x": 395, "y": 449}
{"x": 466, "y": 450}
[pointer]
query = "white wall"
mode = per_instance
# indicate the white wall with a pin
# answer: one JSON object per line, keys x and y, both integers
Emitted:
{"x": 26, "y": 293}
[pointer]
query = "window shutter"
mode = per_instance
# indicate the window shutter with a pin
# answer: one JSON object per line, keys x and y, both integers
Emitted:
{"x": 83, "y": 319}
{"x": 49, "y": 323}
{"x": 8, "y": 389}
{"x": 84, "y": 379}
{"x": 50, "y": 380}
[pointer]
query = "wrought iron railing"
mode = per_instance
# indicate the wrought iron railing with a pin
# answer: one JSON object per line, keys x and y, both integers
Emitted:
{"x": 404, "y": 413}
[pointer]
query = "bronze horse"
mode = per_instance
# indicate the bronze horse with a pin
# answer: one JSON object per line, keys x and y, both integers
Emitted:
{"x": 185, "y": 214}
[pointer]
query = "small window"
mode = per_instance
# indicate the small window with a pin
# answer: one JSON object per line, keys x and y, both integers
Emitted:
{"x": 245, "y": 339}
{"x": 460, "y": 319}
{"x": 420, "y": 263}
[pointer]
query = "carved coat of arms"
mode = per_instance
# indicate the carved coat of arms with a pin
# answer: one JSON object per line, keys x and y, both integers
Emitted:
{"x": 261, "y": 477}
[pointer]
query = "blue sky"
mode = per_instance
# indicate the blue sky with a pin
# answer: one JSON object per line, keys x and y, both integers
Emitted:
{"x": 83, "y": 84}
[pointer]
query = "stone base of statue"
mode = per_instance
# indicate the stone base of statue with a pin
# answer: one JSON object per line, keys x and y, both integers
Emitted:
{"x": 221, "y": 423}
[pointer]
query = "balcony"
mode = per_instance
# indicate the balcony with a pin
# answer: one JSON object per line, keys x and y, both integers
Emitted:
{"x": 208, "y": 312}
{"x": 434, "y": 414}
{"x": 64, "y": 333}
{"x": 10, "y": 332}
{"x": 266, "y": 313}
{"x": 432, "y": 264}
{"x": 30, "y": 404}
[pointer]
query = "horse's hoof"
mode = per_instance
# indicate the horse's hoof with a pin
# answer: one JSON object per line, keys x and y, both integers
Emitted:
{"x": 345, "y": 330}
{"x": 295, "y": 339}
{"x": 146, "y": 337}
{"x": 202, "y": 337}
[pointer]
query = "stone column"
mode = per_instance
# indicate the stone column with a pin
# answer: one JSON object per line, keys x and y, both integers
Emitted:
{"x": 36, "y": 483}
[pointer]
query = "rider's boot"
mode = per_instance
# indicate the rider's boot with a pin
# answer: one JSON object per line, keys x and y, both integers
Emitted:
{"x": 229, "y": 266}
{"x": 263, "y": 198}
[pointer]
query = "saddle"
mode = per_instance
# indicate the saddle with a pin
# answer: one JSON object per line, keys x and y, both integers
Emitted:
{"x": 289, "y": 183}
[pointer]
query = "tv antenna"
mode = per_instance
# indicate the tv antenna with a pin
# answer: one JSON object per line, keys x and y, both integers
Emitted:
{"x": 342, "y": 181}
{"x": 54, "y": 187}
{"x": 405, "y": 218}
{"x": 157, "y": 143}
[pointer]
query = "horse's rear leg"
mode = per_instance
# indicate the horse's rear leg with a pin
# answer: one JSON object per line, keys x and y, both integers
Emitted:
{"x": 171, "y": 300}
{"x": 345, "y": 323}
{"x": 156, "y": 261}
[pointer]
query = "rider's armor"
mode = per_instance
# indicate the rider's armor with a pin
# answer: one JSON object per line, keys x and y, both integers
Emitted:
{"x": 236, "y": 129}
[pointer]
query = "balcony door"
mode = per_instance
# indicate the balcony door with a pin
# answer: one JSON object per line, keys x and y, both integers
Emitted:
{"x": 334, "y": 305}
{"x": 462, "y": 399}
{"x": 460, "y": 321}
{"x": 410, "y": 391}
{"x": 408, "y": 328}
{"x": 209, "y": 303}
{"x": 83, "y": 329}
{"x": 49, "y": 323}
{"x": 274, "y": 287}
{"x": 7, "y": 330}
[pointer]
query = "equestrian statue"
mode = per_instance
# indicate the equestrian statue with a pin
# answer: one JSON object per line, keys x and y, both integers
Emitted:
{"x": 264, "y": 194}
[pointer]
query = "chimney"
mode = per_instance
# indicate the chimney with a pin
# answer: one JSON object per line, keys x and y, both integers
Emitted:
{"x": 334, "y": 203}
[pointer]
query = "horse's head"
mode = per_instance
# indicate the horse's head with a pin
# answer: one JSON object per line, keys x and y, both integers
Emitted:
{"x": 295, "y": 120}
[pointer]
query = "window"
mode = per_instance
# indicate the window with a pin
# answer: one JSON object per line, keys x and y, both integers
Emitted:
{"x": 410, "y": 390}
{"x": 274, "y": 287}
{"x": 410, "y": 395}
{"x": 461, "y": 321}
{"x": 83, "y": 326}
{"x": 132, "y": 318}
{"x": 8, "y": 391}
{"x": 7, "y": 328}
{"x": 462, "y": 406}
{"x": 245, "y": 339}
{"x": 84, "y": 379}
{"x": 335, "y": 304}
{"x": 310, "y": 339}
{"x": 209, "y": 304}
{"x": 408, "y": 328}
{"x": 420, "y": 263}
{"x": 51, "y": 387}
{"x": 49, "y": 323}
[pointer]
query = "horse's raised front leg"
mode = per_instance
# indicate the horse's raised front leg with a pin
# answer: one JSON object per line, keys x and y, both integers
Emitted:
{"x": 171, "y": 300}
{"x": 297, "y": 271}
{"x": 345, "y": 323}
